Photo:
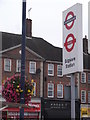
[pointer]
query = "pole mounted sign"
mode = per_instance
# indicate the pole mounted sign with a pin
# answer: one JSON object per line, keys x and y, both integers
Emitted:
{"x": 72, "y": 40}
{"x": 69, "y": 20}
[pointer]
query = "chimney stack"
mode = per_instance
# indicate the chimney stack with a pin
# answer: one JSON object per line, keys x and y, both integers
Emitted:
{"x": 28, "y": 27}
{"x": 85, "y": 44}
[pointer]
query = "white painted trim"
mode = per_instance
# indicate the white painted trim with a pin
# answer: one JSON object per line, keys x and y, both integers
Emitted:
{"x": 34, "y": 53}
{"x": 57, "y": 70}
{"x": 54, "y": 61}
{"x": 30, "y": 65}
{"x": 29, "y": 37}
{"x": 3, "y": 107}
{"x": 11, "y": 48}
{"x": 34, "y": 93}
{"x": 84, "y": 96}
{"x": 86, "y": 70}
{"x": 52, "y": 90}
{"x": 5, "y": 64}
{"x": 83, "y": 73}
{"x": 60, "y": 90}
{"x": 51, "y": 69}
{"x": 17, "y": 65}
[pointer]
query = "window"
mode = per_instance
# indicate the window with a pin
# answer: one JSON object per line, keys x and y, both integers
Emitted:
{"x": 88, "y": 96}
{"x": 83, "y": 77}
{"x": 59, "y": 91}
{"x": 34, "y": 92}
{"x": 83, "y": 96}
{"x": 32, "y": 67}
{"x": 18, "y": 66}
{"x": 59, "y": 70}
{"x": 51, "y": 69}
{"x": 68, "y": 75}
{"x": 88, "y": 77}
{"x": 0, "y": 91}
{"x": 7, "y": 64}
{"x": 50, "y": 90}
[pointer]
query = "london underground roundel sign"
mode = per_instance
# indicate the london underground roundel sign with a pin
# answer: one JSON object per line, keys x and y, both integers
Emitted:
{"x": 72, "y": 40}
{"x": 69, "y": 20}
{"x": 69, "y": 44}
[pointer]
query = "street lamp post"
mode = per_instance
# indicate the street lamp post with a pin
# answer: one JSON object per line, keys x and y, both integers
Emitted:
{"x": 22, "y": 81}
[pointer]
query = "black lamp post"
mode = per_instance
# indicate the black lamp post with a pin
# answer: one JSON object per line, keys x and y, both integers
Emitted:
{"x": 22, "y": 81}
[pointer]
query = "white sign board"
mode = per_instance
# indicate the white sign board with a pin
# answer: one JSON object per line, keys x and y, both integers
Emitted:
{"x": 72, "y": 40}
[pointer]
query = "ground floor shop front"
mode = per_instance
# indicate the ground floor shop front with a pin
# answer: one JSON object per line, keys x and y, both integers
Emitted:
{"x": 85, "y": 111}
{"x": 31, "y": 112}
{"x": 58, "y": 109}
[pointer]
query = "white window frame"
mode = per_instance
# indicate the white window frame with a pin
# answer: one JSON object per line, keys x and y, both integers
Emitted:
{"x": 32, "y": 71}
{"x": 83, "y": 77}
{"x": 68, "y": 76}
{"x": 89, "y": 78}
{"x": 34, "y": 92}
{"x": 88, "y": 96}
{"x": 5, "y": 64}
{"x": 83, "y": 92}
{"x": 59, "y": 70}
{"x": 60, "y": 90}
{"x": 0, "y": 91}
{"x": 52, "y": 90}
{"x": 51, "y": 69}
{"x": 18, "y": 66}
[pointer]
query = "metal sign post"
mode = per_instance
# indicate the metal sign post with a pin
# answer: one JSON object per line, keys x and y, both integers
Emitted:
{"x": 72, "y": 96}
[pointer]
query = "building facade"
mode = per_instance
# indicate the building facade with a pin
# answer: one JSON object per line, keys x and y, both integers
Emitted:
{"x": 43, "y": 64}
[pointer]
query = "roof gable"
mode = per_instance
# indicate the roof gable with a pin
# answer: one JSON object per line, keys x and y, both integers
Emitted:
{"x": 37, "y": 45}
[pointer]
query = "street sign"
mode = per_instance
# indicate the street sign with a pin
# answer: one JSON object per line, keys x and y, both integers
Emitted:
{"x": 72, "y": 40}
{"x": 71, "y": 19}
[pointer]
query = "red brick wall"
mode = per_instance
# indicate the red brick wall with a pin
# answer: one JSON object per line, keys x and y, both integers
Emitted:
{"x": 30, "y": 56}
{"x": 54, "y": 79}
{"x": 14, "y": 55}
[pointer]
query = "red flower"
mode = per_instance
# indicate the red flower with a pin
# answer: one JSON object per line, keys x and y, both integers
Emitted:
{"x": 12, "y": 90}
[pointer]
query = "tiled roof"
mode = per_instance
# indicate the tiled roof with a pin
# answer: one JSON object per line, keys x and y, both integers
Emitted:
{"x": 36, "y": 44}
{"x": 41, "y": 47}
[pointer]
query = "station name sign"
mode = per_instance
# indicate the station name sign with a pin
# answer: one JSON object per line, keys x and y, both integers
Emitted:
{"x": 72, "y": 40}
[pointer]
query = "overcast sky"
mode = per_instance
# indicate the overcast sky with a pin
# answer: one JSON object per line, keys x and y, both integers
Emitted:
{"x": 46, "y": 17}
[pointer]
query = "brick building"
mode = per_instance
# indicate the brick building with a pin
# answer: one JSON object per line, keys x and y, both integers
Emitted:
{"x": 43, "y": 63}
{"x": 44, "y": 66}
{"x": 84, "y": 82}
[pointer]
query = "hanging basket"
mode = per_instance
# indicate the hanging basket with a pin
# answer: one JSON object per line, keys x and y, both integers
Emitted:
{"x": 12, "y": 90}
